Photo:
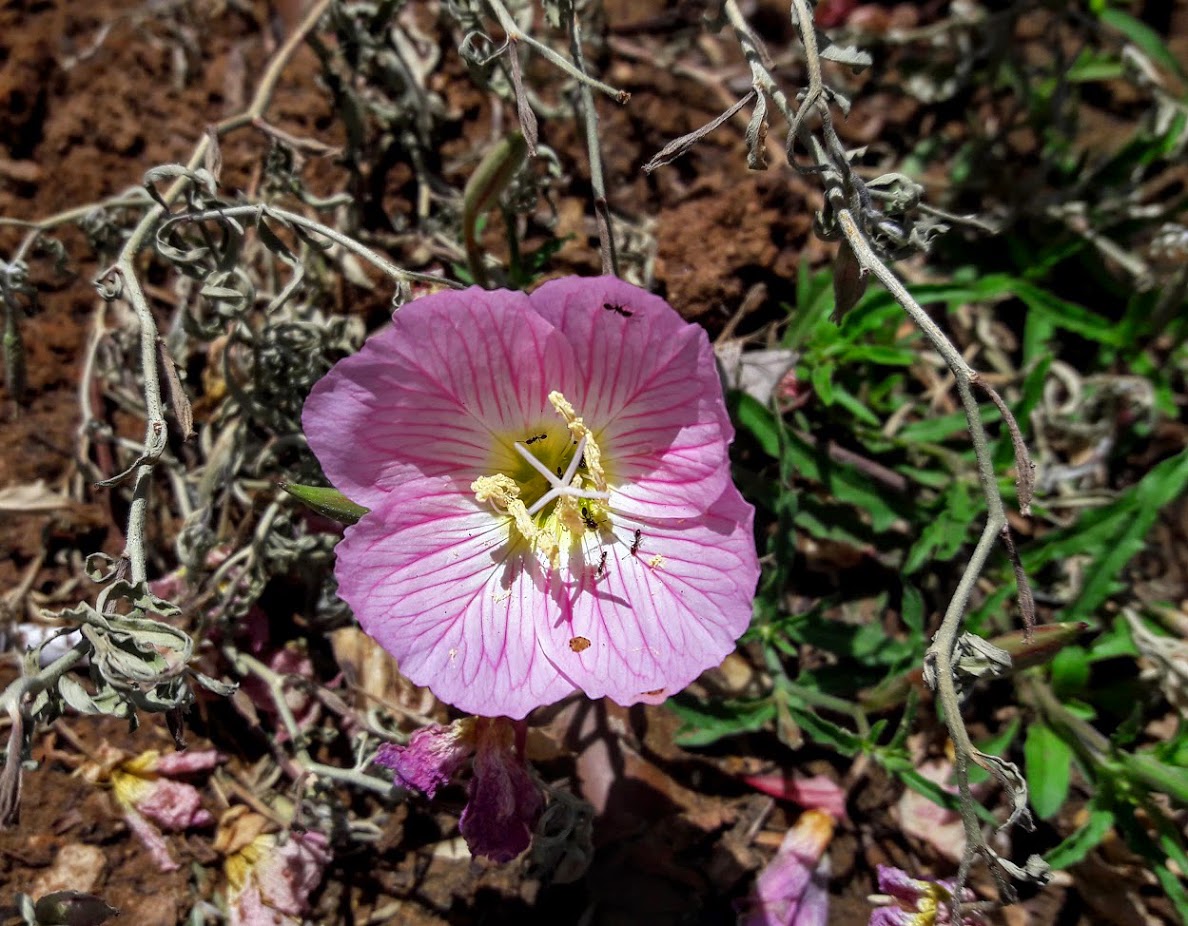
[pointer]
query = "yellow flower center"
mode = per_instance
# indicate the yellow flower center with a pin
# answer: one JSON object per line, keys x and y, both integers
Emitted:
{"x": 557, "y": 491}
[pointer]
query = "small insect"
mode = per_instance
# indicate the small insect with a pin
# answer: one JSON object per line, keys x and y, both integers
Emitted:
{"x": 637, "y": 541}
{"x": 601, "y": 570}
{"x": 533, "y": 440}
{"x": 560, "y": 473}
{"x": 588, "y": 520}
{"x": 617, "y": 309}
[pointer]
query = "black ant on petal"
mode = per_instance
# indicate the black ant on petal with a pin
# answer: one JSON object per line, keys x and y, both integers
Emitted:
{"x": 637, "y": 541}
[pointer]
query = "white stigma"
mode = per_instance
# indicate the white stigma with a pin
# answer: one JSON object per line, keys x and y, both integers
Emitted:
{"x": 559, "y": 487}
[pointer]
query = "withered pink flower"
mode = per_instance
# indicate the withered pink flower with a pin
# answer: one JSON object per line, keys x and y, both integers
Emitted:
{"x": 549, "y": 495}
{"x": 433, "y": 755}
{"x": 152, "y": 799}
{"x": 793, "y": 890}
{"x": 503, "y": 801}
{"x": 270, "y": 879}
{"x": 908, "y": 901}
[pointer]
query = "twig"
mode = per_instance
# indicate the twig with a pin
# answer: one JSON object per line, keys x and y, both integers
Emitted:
{"x": 255, "y": 211}
{"x": 13, "y": 696}
{"x": 515, "y": 34}
{"x": 130, "y": 289}
{"x": 247, "y": 665}
{"x": 851, "y": 211}
{"x": 606, "y": 238}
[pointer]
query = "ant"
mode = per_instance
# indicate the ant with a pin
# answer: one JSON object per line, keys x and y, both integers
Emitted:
{"x": 637, "y": 541}
{"x": 588, "y": 520}
{"x": 533, "y": 440}
{"x": 601, "y": 571}
{"x": 617, "y": 309}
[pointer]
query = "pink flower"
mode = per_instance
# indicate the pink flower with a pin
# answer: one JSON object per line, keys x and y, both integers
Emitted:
{"x": 916, "y": 901}
{"x": 270, "y": 878}
{"x": 793, "y": 890}
{"x": 549, "y": 490}
{"x": 503, "y": 801}
{"x": 151, "y": 799}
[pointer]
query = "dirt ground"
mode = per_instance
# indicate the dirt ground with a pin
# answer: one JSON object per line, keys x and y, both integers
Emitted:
{"x": 93, "y": 95}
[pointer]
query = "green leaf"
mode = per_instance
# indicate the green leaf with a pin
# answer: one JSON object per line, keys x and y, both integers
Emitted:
{"x": 845, "y": 482}
{"x": 825, "y": 732}
{"x": 850, "y": 403}
{"x": 944, "y": 535}
{"x": 1142, "y": 35}
{"x": 1068, "y": 315}
{"x": 822, "y": 380}
{"x": 934, "y": 430}
{"x": 1074, "y": 849}
{"x": 1048, "y": 760}
{"x": 706, "y": 722}
{"x": 1070, "y": 671}
{"x": 755, "y": 418}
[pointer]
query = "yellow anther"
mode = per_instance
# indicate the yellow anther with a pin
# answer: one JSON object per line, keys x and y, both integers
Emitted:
{"x": 577, "y": 427}
{"x": 499, "y": 489}
{"x": 504, "y": 493}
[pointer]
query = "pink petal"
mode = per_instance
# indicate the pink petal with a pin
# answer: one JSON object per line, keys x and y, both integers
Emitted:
{"x": 423, "y": 396}
{"x": 504, "y": 803}
{"x": 291, "y": 872}
{"x": 433, "y": 756}
{"x": 648, "y": 386}
{"x": 187, "y": 762}
{"x": 152, "y": 839}
{"x": 644, "y": 631}
{"x": 924, "y": 819}
{"x": 174, "y": 805}
{"x": 900, "y": 885}
{"x": 792, "y": 890}
{"x": 816, "y": 792}
{"x": 893, "y": 916}
{"x": 247, "y": 909}
{"x": 429, "y": 577}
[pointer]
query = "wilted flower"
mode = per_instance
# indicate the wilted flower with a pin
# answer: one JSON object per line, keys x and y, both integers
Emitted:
{"x": 269, "y": 877}
{"x": 916, "y": 901}
{"x": 151, "y": 799}
{"x": 503, "y": 801}
{"x": 793, "y": 890}
{"x": 549, "y": 490}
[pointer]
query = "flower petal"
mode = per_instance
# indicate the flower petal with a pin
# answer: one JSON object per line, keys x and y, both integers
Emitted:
{"x": 152, "y": 839}
{"x": 647, "y": 384}
{"x": 433, "y": 756}
{"x": 184, "y": 763}
{"x": 424, "y": 396}
{"x": 661, "y": 616}
{"x": 504, "y": 803}
{"x": 289, "y": 873}
{"x": 174, "y": 805}
{"x": 430, "y": 577}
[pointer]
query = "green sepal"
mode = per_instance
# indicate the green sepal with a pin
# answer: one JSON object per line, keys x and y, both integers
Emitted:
{"x": 326, "y": 501}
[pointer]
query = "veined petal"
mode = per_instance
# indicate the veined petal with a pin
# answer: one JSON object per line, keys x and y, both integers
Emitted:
{"x": 430, "y": 576}
{"x": 426, "y": 395}
{"x": 646, "y": 382}
{"x": 659, "y": 617}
